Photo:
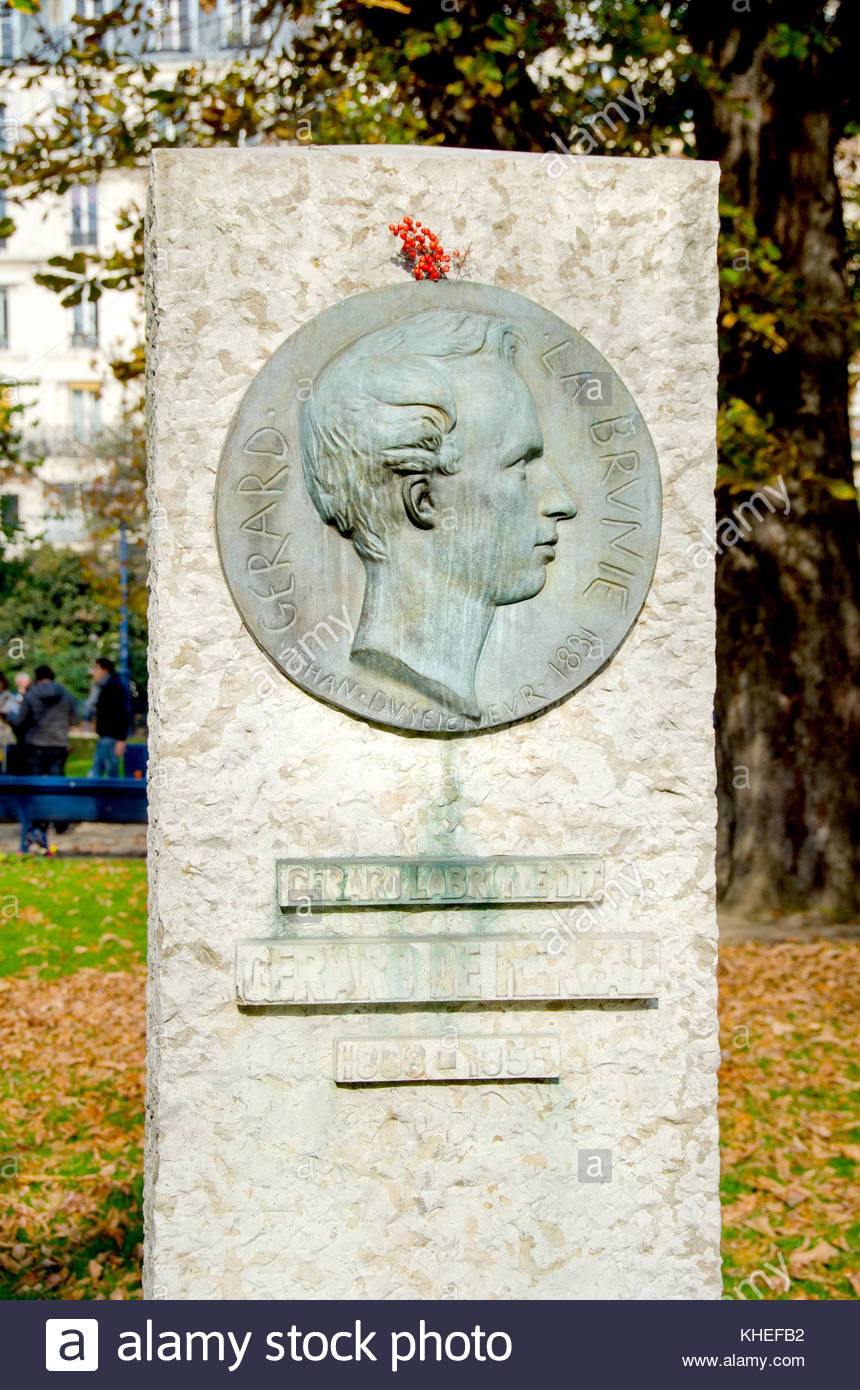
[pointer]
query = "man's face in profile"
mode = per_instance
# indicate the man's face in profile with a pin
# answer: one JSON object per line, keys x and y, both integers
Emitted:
{"x": 422, "y": 444}
{"x": 501, "y": 507}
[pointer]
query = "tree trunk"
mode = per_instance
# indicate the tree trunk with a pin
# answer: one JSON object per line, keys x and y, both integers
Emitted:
{"x": 788, "y": 594}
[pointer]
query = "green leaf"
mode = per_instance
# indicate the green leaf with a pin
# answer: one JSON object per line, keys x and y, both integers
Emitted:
{"x": 840, "y": 489}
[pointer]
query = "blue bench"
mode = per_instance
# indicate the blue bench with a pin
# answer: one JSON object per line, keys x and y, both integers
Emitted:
{"x": 115, "y": 800}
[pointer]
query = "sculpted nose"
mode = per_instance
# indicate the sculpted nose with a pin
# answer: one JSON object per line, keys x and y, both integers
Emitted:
{"x": 555, "y": 500}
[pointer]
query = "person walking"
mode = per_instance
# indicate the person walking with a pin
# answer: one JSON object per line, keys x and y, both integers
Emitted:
{"x": 8, "y": 704}
{"x": 14, "y": 756}
{"x": 43, "y": 721}
{"x": 111, "y": 719}
{"x": 23, "y": 681}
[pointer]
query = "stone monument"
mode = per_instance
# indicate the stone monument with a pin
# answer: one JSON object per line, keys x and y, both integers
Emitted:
{"x": 432, "y": 1004}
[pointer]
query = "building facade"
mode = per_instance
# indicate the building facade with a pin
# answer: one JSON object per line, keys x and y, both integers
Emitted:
{"x": 55, "y": 360}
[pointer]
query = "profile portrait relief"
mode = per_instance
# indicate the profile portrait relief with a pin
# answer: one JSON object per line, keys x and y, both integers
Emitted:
{"x": 421, "y": 444}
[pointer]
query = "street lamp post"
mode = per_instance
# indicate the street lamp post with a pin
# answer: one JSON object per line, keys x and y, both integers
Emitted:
{"x": 124, "y": 671}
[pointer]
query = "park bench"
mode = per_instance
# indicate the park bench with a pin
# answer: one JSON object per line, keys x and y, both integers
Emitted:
{"x": 114, "y": 800}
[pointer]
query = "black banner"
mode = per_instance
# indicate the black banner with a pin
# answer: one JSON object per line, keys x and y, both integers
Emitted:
{"x": 500, "y": 1344}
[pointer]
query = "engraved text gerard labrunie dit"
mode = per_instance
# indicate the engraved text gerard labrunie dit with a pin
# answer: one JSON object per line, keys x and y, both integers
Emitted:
{"x": 367, "y": 882}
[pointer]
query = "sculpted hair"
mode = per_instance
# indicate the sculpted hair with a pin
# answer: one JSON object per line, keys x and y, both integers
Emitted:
{"x": 384, "y": 405}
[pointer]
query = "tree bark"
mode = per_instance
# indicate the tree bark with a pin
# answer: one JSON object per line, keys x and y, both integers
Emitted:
{"x": 788, "y": 594}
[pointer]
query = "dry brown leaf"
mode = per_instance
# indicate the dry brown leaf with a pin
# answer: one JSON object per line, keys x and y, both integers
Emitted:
{"x": 761, "y": 1180}
{"x": 795, "y": 1195}
{"x": 735, "y": 1214}
{"x": 821, "y": 1253}
{"x": 762, "y": 1225}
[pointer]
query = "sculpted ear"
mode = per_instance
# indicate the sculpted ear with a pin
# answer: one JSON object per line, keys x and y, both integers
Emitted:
{"x": 418, "y": 501}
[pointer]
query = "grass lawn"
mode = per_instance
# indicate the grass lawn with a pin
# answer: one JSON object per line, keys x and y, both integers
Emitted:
{"x": 59, "y": 915}
{"x": 72, "y": 951}
{"x": 80, "y": 759}
{"x": 81, "y": 753}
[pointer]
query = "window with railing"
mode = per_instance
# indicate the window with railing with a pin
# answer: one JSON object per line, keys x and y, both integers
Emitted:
{"x": 242, "y": 31}
{"x": 176, "y": 22}
{"x": 85, "y": 216}
{"x": 65, "y": 518}
{"x": 85, "y": 324}
{"x": 86, "y": 414}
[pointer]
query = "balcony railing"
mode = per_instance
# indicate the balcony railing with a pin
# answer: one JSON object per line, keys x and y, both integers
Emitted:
{"x": 88, "y": 340}
{"x": 59, "y": 442}
{"x": 28, "y": 36}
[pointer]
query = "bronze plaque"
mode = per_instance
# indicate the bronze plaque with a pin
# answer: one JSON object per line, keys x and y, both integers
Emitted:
{"x": 438, "y": 508}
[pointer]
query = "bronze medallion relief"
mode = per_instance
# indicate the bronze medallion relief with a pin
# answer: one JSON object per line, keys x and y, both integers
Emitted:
{"x": 438, "y": 508}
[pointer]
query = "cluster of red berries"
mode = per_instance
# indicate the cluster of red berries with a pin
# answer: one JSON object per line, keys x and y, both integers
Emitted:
{"x": 421, "y": 250}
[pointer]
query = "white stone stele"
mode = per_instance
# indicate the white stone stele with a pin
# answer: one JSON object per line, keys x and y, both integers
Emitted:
{"x": 265, "y": 1179}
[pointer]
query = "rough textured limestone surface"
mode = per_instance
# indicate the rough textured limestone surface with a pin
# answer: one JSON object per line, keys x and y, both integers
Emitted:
{"x": 264, "y": 1178}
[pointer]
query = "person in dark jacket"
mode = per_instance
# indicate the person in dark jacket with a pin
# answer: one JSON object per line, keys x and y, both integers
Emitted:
{"x": 42, "y": 725}
{"x": 111, "y": 719}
